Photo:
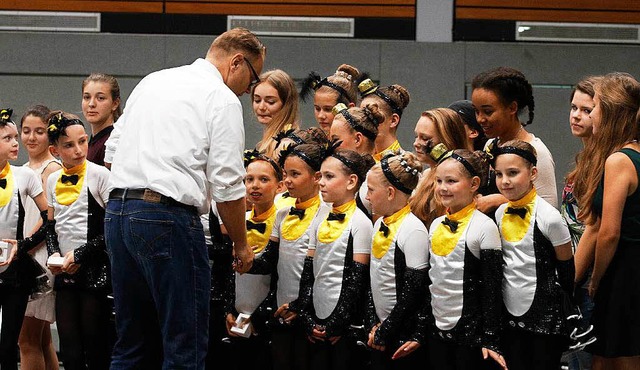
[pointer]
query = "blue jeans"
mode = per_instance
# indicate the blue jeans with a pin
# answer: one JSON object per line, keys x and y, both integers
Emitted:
{"x": 161, "y": 279}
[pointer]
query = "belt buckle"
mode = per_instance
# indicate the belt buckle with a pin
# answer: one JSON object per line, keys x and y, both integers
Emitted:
{"x": 151, "y": 196}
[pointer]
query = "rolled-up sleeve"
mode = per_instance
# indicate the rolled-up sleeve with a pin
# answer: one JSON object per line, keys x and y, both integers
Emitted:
{"x": 225, "y": 166}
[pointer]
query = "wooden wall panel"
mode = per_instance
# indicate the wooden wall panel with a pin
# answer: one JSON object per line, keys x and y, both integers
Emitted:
{"x": 136, "y": 6}
{"x": 390, "y": 11}
{"x": 584, "y": 11}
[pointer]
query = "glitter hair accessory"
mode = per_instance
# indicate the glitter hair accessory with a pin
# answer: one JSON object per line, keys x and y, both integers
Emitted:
{"x": 313, "y": 82}
{"x": 251, "y": 156}
{"x": 386, "y": 170}
{"x": 342, "y": 109}
{"x": 291, "y": 150}
{"x": 460, "y": 159}
{"x": 368, "y": 87}
{"x": 527, "y": 155}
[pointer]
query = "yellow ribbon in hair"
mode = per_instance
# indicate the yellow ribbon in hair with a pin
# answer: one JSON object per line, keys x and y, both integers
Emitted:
{"x": 329, "y": 231}
{"x": 444, "y": 241}
{"x": 7, "y": 193}
{"x": 258, "y": 241}
{"x": 514, "y": 227}
{"x": 67, "y": 193}
{"x": 382, "y": 243}
{"x": 391, "y": 149}
{"x": 292, "y": 226}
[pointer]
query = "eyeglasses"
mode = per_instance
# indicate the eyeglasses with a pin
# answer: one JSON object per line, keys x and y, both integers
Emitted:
{"x": 256, "y": 78}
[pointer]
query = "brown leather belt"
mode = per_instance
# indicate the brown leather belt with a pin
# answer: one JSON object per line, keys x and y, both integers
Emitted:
{"x": 148, "y": 195}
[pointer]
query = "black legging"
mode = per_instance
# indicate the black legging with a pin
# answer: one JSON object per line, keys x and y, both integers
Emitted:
{"x": 13, "y": 302}
{"x": 83, "y": 326}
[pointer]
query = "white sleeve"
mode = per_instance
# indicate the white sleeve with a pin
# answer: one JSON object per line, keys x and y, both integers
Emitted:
{"x": 362, "y": 233}
{"x": 553, "y": 226}
{"x": 545, "y": 183}
{"x": 488, "y": 236}
{"x": 413, "y": 240}
{"x": 51, "y": 187}
{"x": 34, "y": 184}
{"x": 280, "y": 215}
{"x": 114, "y": 138}
{"x": 225, "y": 167}
{"x": 103, "y": 183}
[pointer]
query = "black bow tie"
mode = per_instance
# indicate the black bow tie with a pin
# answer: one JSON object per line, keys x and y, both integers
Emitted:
{"x": 384, "y": 229}
{"x": 520, "y": 211}
{"x": 286, "y": 194}
{"x": 73, "y": 179}
{"x": 3, "y": 183}
{"x": 453, "y": 225}
{"x": 260, "y": 227}
{"x": 297, "y": 212}
{"x": 335, "y": 216}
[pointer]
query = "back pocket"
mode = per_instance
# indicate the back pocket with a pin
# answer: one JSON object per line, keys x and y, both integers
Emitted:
{"x": 152, "y": 238}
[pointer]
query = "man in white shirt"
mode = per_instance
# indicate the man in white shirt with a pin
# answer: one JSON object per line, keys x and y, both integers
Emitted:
{"x": 178, "y": 143}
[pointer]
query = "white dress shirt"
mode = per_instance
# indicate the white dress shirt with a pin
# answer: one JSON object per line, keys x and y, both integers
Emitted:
{"x": 181, "y": 135}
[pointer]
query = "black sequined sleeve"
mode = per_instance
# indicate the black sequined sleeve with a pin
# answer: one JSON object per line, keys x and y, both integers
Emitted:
{"x": 305, "y": 292}
{"x": 425, "y": 315}
{"x": 566, "y": 271}
{"x": 491, "y": 261}
{"x": 370, "y": 317}
{"x": 338, "y": 322}
{"x": 86, "y": 252}
{"x": 303, "y": 305}
{"x": 408, "y": 301}
{"x": 264, "y": 313}
{"x": 27, "y": 244}
{"x": 51, "y": 238}
{"x": 268, "y": 260}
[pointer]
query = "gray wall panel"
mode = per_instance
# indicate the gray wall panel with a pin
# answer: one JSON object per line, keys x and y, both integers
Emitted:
{"x": 49, "y": 67}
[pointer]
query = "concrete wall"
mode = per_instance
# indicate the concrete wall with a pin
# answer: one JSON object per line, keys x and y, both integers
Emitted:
{"x": 48, "y": 68}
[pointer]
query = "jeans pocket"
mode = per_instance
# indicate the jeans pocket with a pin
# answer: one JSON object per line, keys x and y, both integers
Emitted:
{"x": 152, "y": 238}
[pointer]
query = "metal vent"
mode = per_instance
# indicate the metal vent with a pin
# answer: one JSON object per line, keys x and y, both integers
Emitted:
{"x": 294, "y": 26}
{"x": 578, "y": 32}
{"x": 49, "y": 21}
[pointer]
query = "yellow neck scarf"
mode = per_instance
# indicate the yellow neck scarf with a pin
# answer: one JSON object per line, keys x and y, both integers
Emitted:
{"x": 258, "y": 241}
{"x": 292, "y": 226}
{"x": 329, "y": 231}
{"x": 382, "y": 242}
{"x": 392, "y": 148}
{"x": 67, "y": 192}
{"x": 444, "y": 240}
{"x": 514, "y": 227}
{"x": 7, "y": 193}
{"x": 285, "y": 201}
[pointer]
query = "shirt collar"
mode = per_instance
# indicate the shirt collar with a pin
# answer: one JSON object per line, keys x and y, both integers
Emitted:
{"x": 105, "y": 131}
{"x": 205, "y": 65}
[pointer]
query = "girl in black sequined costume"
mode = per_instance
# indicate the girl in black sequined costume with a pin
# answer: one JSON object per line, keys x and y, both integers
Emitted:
{"x": 77, "y": 195}
{"x": 292, "y": 235}
{"x": 250, "y": 294}
{"x": 465, "y": 270}
{"x": 538, "y": 268}
{"x": 398, "y": 264}
{"x": 334, "y": 281}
